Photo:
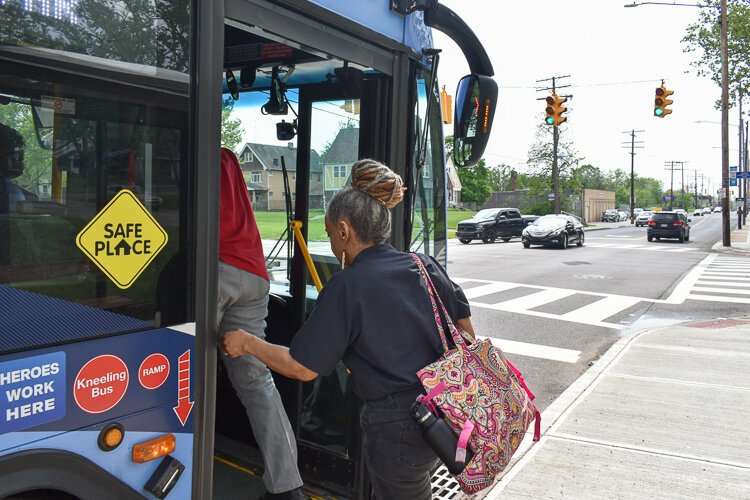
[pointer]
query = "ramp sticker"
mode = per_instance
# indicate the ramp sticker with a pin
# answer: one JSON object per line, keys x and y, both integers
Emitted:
{"x": 122, "y": 239}
{"x": 32, "y": 391}
{"x": 154, "y": 371}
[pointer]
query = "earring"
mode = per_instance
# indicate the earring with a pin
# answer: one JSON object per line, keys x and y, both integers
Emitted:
{"x": 343, "y": 259}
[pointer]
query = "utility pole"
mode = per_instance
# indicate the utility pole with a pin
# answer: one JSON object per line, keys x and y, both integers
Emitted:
{"x": 744, "y": 181}
{"x": 632, "y": 174}
{"x": 726, "y": 233}
{"x": 671, "y": 182}
{"x": 682, "y": 183}
{"x": 555, "y": 140}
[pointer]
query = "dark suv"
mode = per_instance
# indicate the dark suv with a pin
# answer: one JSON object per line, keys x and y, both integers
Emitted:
{"x": 669, "y": 225}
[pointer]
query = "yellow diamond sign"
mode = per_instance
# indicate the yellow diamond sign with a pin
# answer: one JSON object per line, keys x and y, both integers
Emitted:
{"x": 122, "y": 239}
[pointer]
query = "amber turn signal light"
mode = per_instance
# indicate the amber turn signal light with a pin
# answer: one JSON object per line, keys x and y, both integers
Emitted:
{"x": 153, "y": 448}
{"x": 110, "y": 437}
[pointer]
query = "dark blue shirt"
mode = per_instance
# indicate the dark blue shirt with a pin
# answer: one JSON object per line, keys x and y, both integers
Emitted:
{"x": 377, "y": 317}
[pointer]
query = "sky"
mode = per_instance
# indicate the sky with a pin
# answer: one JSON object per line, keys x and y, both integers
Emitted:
{"x": 615, "y": 57}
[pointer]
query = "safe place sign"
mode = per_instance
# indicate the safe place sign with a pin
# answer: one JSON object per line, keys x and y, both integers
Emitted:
{"x": 122, "y": 239}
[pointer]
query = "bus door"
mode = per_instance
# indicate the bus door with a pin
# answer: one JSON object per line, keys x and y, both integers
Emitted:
{"x": 306, "y": 113}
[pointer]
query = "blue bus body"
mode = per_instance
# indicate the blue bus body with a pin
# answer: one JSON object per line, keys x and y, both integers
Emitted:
{"x": 110, "y": 127}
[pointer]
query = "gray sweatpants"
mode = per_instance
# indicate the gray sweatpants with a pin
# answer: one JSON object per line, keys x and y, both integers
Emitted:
{"x": 243, "y": 303}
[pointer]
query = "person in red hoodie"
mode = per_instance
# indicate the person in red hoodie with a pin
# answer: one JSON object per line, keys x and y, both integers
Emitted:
{"x": 243, "y": 303}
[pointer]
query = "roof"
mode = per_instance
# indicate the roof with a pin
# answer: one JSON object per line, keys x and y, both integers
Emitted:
{"x": 266, "y": 153}
{"x": 343, "y": 149}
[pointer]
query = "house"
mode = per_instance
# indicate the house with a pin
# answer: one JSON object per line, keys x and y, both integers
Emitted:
{"x": 453, "y": 185}
{"x": 262, "y": 167}
{"x": 337, "y": 161}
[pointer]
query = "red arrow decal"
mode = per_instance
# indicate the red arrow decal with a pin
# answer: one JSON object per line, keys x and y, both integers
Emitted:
{"x": 184, "y": 405}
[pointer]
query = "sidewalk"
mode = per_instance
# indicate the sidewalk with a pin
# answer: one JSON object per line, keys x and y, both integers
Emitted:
{"x": 663, "y": 414}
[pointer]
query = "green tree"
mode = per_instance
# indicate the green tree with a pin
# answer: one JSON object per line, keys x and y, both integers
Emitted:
{"x": 587, "y": 177}
{"x": 476, "y": 183}
{"x": 231, "y": 128}
{"x": 540, "y": 159}
{"x": 704, "y": 38}
{"x": 37, "y": 161}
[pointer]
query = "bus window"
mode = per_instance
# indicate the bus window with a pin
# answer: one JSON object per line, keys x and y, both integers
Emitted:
{"x": 334, "y": 148}
{"x": 78, "y": 142}
{"x": 428, "y": 228}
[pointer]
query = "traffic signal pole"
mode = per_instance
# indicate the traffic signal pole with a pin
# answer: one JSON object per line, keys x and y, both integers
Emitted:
{"x": 555, "y": 118}
{"x": 555, "y": 172}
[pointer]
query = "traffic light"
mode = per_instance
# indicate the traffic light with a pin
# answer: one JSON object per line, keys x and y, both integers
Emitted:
{"x": 555, "y": 110}
{"x": 661, "y": 102}
{"x": 550, "y": 119}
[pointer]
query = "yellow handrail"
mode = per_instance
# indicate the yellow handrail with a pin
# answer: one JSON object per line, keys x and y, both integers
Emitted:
{"x": 296, "y": 227}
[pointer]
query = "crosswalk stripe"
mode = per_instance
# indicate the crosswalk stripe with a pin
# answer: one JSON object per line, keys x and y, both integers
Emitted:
{"x": 536, "y": 350}
{"x": 601, "y": 309}
{"x": 488, "y": 289}
{"x": 537, "y": 299}
{"x": 718, "y": 298}
{"x": 703, "y": 282}
{"x": 726, "y": 279}
{"x": 539, "y": 314}
{"x": 721, "y": 290}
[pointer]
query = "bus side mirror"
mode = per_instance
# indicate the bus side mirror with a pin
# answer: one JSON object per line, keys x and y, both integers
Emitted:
{"x": 476, "y": 98}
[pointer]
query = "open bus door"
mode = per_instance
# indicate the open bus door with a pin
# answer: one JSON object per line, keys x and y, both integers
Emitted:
{"x": 312, "y": 102}
{"x": 314, "y": 113}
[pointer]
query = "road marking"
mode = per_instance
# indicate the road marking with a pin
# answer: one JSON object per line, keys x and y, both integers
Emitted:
{"x": 535, "y": 350}
{"x": 537, "y": 299}
{"x": 733, "y": 277}
{"x": 488, "y": 289}
{"x": 712, "y": 282}
{"x": 718, "y": 298}
{"x": 601, "y": 309}
{"x": 721, "y": 290}
{"x": 608, "y": 305}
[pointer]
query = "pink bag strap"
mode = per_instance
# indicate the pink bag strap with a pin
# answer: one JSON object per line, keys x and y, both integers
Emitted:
{"x": 428, "y": 283}
{"x": 520, "y": 380}
{"x": 458, "y": 339}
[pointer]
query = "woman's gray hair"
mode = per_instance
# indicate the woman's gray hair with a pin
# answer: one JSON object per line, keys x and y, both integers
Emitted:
{"x": 375, "y": 189}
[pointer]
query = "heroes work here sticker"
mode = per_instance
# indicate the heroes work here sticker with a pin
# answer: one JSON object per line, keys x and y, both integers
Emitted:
{"x": 32, "y": 391}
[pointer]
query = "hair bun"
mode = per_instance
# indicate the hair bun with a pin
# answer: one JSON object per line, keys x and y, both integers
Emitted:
{"x": 378, "y": 181}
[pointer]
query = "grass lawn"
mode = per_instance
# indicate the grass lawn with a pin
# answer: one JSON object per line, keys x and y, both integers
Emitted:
{"x": 454, "y": 217}
{"x": 272, "y": 224}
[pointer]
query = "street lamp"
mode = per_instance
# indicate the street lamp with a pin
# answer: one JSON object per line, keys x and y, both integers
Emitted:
{"x": 726, "y": 237}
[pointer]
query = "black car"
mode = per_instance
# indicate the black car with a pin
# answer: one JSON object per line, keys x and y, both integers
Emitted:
{"x": 611, "y": 215}
{"x": 492, "y": 223}
{"x": 553, "y": 230}
{"x": 669, "y": 224}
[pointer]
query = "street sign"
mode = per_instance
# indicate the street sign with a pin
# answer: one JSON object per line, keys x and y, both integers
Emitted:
{"x": 551, "y": 196}
{"x": 733, "y": 168}
{"x": 732, "y": 181}
{"x": 743, "y": 175}
{"x": 667, "y": 198}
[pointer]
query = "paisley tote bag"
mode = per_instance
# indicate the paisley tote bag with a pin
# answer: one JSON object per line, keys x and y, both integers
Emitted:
{"x": 481, "y": 396}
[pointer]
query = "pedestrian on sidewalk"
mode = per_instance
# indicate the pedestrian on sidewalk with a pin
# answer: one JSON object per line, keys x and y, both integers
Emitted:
{"x": 243, "y": 303}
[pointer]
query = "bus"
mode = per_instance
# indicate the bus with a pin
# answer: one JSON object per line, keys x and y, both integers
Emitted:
{"x": 112, "y": 115}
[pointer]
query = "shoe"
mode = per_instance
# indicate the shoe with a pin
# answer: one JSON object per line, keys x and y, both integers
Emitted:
{"x": 295, "y": 494}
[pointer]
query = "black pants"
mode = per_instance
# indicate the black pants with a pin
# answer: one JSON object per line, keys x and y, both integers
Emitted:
{"x": 399, "y": 460}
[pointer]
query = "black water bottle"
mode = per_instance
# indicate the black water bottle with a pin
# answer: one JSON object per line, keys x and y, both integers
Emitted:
{"x": 440, "y": 437}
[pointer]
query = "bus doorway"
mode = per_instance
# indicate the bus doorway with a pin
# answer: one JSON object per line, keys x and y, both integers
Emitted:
{"x": 304, "y": 116}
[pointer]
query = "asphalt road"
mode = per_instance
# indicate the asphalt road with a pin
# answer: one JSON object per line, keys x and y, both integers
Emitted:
{"x": 555, "y": 312}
